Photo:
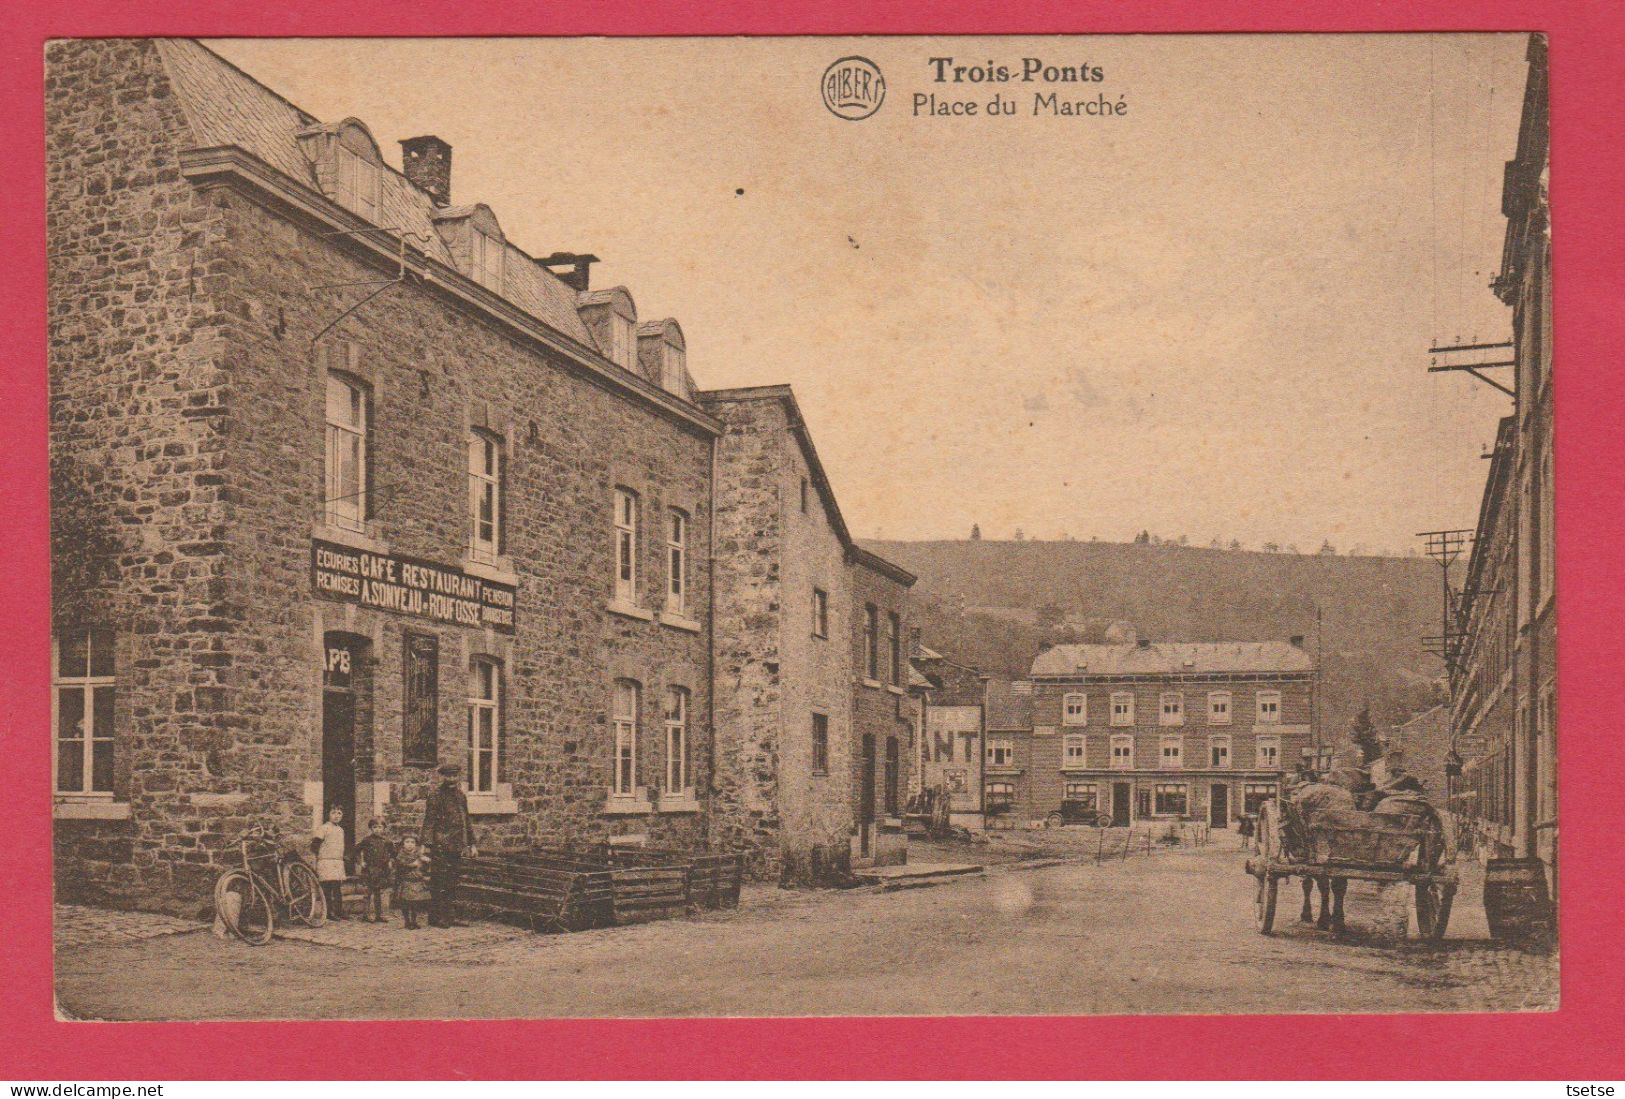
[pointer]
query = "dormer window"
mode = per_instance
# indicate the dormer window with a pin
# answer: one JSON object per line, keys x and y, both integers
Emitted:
{"x": 488, "y": 253}
{"x": 623, "y": 341}
{"x": 357, "y": 182}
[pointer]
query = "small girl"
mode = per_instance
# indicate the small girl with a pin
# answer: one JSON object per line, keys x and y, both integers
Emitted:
{"x": 328, "y": 841}
{"x": 411, "y": 881}
{"x": 375, "y": 864}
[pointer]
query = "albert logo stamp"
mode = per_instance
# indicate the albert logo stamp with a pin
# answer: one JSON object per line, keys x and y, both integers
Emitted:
{"x": 853, "y": 88}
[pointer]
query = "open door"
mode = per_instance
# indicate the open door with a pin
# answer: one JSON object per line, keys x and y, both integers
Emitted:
{"x": 1218, "y": 806}
{"x": 343, "y": 663}
{"x": 1121, "y": 792}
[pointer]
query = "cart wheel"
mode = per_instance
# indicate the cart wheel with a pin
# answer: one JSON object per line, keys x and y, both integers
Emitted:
{"x": 1054, "y": 820}
{"x": 1264, "y": 904}
{"x": 1433, "y": 903}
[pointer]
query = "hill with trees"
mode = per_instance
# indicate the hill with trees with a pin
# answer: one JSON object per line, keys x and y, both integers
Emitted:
{"x": 992, "y": 604}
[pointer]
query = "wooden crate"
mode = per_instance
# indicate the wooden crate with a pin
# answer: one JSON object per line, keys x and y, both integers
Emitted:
{"x": 545, "y": 897}
{"x": 649, "y": 893}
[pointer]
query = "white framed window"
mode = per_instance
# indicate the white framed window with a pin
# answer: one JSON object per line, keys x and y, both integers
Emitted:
{"x": 346, "y": 484}
{"x": 1123, "y": 752}
{"x": 357, "y": 179}
{"x": 626, "y": 546}
{"x": 484, "y": 496}
{"x": 1001, "y": 753}
{"x": 1171, "y": 800}
{"x": 1269, "y": 753}
{"x": 82, "y": 712}
{"x": 1218, "y": 752}
{"x": 1073, "y": 750}
{"x": 1172, "y": 710}
{"x": 677, "y": 562}
{"x": 1083, "y": 793}
{"x": 1218, "y": 707}
{"x": 1172, "y": 754}
{"x": 676, "y": 776}
{"x": 820, "y": 613}
{"x": 484, "y": 724}
{"x": 1269, "y": 707}
{"x": 625, "y": 718}
{"x": 488, "y": 254}
{"x": 1123, "y": 708}
{"x": 1075, "y": 708}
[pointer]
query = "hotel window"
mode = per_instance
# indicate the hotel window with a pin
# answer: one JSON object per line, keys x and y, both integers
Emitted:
{"x": 357, "y": 183}
{"x": 1083, "y": 793}
{"x": 820, "y": 744}
{"x": 1123, "y": 708}
{"x": 871, "y": 641}
{"x": 1001, "y": 753}
{"x": 1269, "y": 707}
{"x": 626, "y": 547}
{"x": 1254, "y": 795}
{"x": 1001, "y": 796}
{"x": 1075, "y": 709}
{"x": 346, "y": 453}
{"x": 484, "y": 496}
{"x": 83, "y": 714}
{"x": 894, "y": 649}
{"x": 820, "y": 613}
{"x": 1170, "y": 800}
{"x": 1218, "y": 749}
{"x": 488, "y": 254}
{"x": 1122, "y": 753}
{"x": 677, "y": 562}
{"x": 1218, "y": 707}
{"x": 1173, "y": 708}
{"x": 1072, "y": 751}
{"x": 625, "y": 715}
{"x": 1172, "y": 756}
{"x": 676, "y": 740}
{"x": 484, "y": 724}
{"x": 1269, "y": 753}
{"x": 623, "y": 343}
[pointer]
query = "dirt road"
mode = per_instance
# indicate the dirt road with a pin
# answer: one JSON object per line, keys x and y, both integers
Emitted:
{"x": 1172, "y": 933}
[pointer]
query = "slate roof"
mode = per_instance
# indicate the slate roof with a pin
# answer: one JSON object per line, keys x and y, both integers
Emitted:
{"x": 1173, "y": 658}
{"x": 226, "y": 106}
{"x": 1006, "y": 709}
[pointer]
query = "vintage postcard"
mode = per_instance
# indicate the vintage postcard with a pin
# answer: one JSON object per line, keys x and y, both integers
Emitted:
{"x": 581, "y": 527}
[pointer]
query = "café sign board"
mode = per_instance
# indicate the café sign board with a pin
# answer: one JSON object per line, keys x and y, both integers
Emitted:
{"x": 404, "y": 585}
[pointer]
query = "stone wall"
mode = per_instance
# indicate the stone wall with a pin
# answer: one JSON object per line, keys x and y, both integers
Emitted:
{"x": 187, "y": 475}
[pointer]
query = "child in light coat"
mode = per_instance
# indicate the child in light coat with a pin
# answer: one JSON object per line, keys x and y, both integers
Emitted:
{"x": 328, "y": 842}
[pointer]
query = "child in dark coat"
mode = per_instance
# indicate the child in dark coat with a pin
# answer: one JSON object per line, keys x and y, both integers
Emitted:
{"x": 411, "y": 881}
{"x": 375, "y": 865}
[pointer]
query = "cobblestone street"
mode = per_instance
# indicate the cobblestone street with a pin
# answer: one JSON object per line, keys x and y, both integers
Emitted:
{"x": 1169, "y": 933}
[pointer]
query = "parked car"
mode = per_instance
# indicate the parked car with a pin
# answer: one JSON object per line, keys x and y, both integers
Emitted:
{"x": 1078, "y": 812}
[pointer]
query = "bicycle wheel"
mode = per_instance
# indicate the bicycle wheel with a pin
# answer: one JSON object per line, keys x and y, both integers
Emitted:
{"x": 243, "y": 907}
{"x": 306, "y": 902}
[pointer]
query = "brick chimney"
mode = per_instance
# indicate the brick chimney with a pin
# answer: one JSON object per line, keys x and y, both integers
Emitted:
{"x": 427, "y": 162}
{"x": 578, "y": 275}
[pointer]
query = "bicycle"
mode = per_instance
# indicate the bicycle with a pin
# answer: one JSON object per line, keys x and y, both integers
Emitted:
{"x": 247, "y": 897}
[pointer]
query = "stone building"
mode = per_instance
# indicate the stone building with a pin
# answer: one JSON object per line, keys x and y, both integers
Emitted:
{"x": 1503, "y": 679}
{"x": 957, "y": 706}
{"x": 816, "y": 722}
{"x": 345, "y": 484}
{"x": 1158, "y": 730}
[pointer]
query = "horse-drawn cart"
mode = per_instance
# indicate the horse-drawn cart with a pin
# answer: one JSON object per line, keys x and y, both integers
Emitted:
{"x": 1341, "y": 845}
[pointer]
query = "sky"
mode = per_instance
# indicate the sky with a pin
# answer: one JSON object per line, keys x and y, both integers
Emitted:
{"x": 1205, "y": 316}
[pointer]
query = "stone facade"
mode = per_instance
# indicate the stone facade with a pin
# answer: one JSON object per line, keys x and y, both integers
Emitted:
{"x": 191, "y": 337}
{"x": 1156, "y": 731}
{"x": 790, "y": 675}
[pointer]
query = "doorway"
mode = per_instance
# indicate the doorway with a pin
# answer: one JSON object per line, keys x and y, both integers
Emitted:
{"x": 894, "y": 767}
{"x": 1121, "y": 792}
{"x": 1218, "y": 806}
{"x": 343, "y": 664}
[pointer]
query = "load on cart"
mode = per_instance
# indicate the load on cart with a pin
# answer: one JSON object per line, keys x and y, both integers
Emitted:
{"x": 1314, "y": 831}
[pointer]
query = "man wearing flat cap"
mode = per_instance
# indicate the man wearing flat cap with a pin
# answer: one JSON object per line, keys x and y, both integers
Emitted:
{"x": 447, "y": 833}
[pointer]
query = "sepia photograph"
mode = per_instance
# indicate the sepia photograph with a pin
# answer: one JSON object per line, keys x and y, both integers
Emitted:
{"x": 581, "y": 527}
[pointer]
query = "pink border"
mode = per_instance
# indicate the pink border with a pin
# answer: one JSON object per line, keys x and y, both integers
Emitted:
{"x": 1578, "y": 1042}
